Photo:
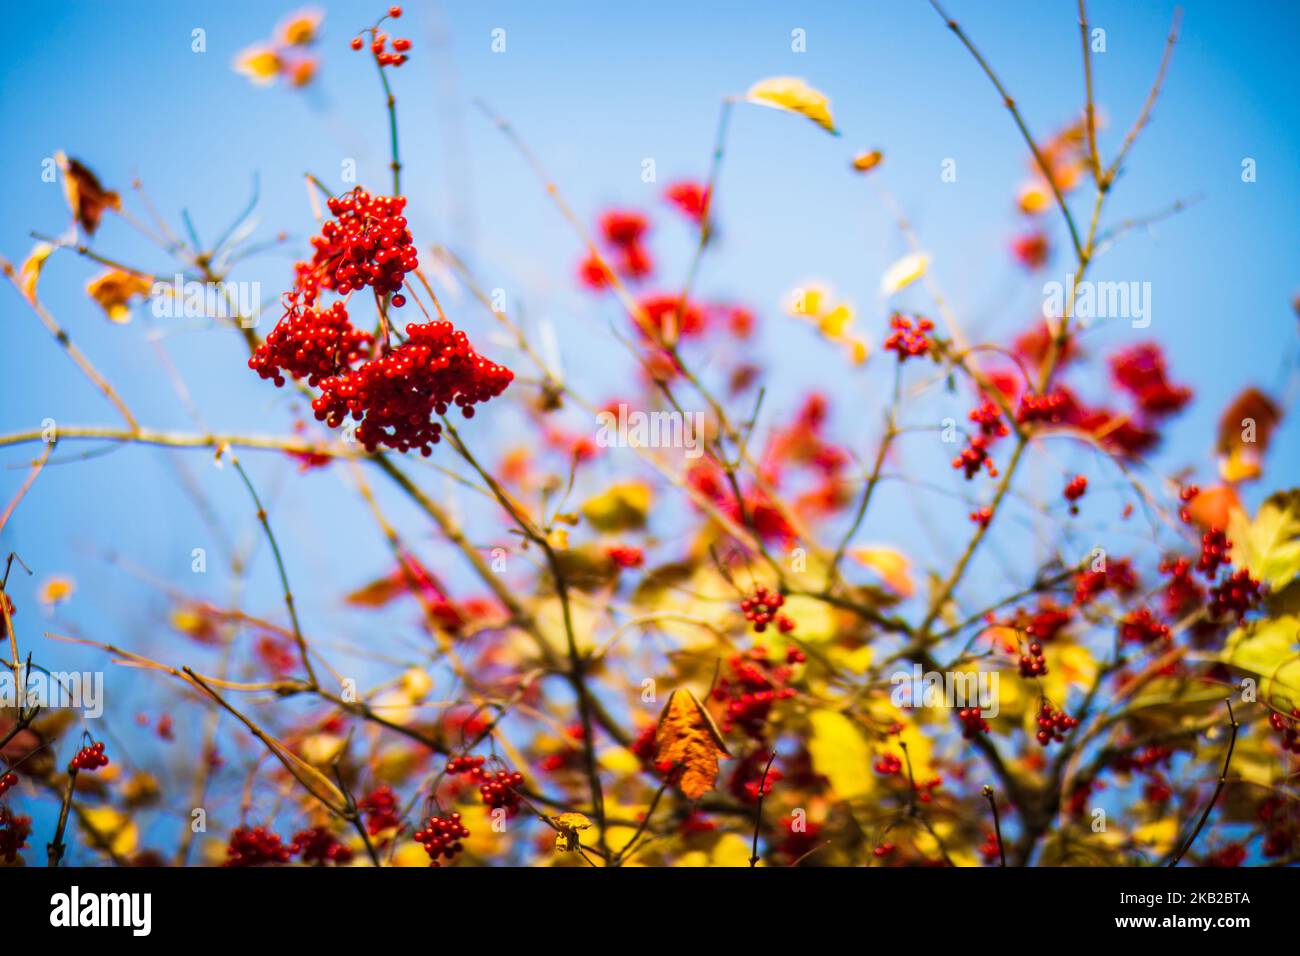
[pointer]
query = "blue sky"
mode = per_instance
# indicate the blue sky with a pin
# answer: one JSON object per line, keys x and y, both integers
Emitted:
{"x": 596, "y": 89}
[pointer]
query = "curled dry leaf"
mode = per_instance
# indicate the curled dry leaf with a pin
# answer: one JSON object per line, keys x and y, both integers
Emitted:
{"x": 687, "y": 738}
{"x": 115, "y": 289}
{"x": 29, "y": 273}
{"x": 86, "y": 197}
{"x": 1245, "y": 431}
{"x": 794, "y": 95}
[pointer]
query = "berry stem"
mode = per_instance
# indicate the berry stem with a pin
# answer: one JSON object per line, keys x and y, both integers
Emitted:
{"x": 1218, "y": 789}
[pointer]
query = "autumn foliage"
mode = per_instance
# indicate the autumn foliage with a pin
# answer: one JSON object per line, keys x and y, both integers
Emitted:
{"x": 687, "y": 652}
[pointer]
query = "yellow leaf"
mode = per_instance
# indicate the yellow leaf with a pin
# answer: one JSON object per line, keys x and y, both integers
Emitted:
{"x": 1269, "y": 546}
{"x": 29, "y": 273}
{"x": 321, "y": 749}
{"x": 1271, "y": 651}
{"x": 568, "y": 837}
{"x": 1158, "y": 836}
{"x": 115, "y": 289}
{"x": 55, "y": 590}
{"x": 688, "y": 739}
{"x": 892, "y": 566}
{"x": 115, "y": 828}
{"x": 839, "y": 753}
{"x": 794, "y": 95}
{"x": 815, "y": 618}
{"x": 903, "y": 273}
{"x": 866, "y": 162}
{"x": 410, "y": 854}
{"x": 621, "y": 507}
{"x": 417, "y": 683}
{"x": 261, "y": 64}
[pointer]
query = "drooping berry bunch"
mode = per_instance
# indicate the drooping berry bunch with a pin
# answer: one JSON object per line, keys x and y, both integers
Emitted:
{"x": 762, "y": 607}
{"x": 256, "y": 846}
{"x": 975, "y": 456}
{"x": 1214, "y": 552}
{"x": 972, "y": 722}
{"x": 1117, "y": 576}
{"x": 1032, "y": 662}
{"x": 499, "y": 791}
{"x": 395, "y": 395}
{"x": 988, "y": 417}
{"x": 754, "y": 685}
{"x": 14, "y": 831}
{"x": 311, "y": 344}
{"x": 319, "y": 845}
{"x": 379, "y": 807}
{"x": 1289, "y": 727}
{"x": 908, "y": 339}
{"x": 1236, "y": 595}
{"x": 1183, "y": 592}
{"x": 367, "y": 243}
{"x": 441, "y": 837}
{"x": 1053, "y": 724}
{"x": 89, "y": 758}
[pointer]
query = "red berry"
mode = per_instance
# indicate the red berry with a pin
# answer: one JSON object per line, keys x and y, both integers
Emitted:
{"x": 357, "y": 43}
{"x": 394, "y": 12}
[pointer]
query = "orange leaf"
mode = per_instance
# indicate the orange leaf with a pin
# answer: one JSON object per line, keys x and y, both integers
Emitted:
{"x": 86, "y": 197}
{"x": 687, "y": 738}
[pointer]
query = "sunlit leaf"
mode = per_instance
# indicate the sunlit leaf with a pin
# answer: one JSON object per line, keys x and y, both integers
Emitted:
{"x": 795, "y": 95}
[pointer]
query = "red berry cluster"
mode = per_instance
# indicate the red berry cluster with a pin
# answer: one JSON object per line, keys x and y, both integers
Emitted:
{"x": 1141, "y": 371}
{"x": 982, "y": 516}
{"x": 974, "y": 456}
{"x": 1142, "y": 627}
{"x": 1052, "y": 724}
{"x": 367, "y": 243}
{"x": 378, "y": 45}
{"x": 1289, "y": 728}
{"x": 14, "y": 831}
{"x": 441, "y": 837}
{"x": 1183, "y": 592}
{"x": 499, "y": 791}
{"x": 883, "y": 850}
{"x": 256, "y": 846}
{"x": 89, "y": 758}
{"x": 1032, "y": 663}
{"x": 380, "y": 810}
{"x": 972, "y": 722}
{"x": 1075, "y": 489}
{"x": 1117, "y": 576}
{"x": 319, "y": 845}
{"x": 625, "y": 556}
{"x": 762, "y": 607}
{"x": 1214, "y": 552}
{"x": 1040, "y": 408}
{"x": 395, "y": 395}
{"x": 691, "y": 198}
{"x": 623, "y": 232}
{"x": 1185, "y": 496}
{"x": 989, "y": 849}
{"x": 8, "y": 781}
{"x": 755, "y": 684}
{"x": 908, "y": 340}
{"x": 889, "y": 765}
{"x": 311, "y": 344}
{"x": 989, "y": 419}
{"x": 1237, "y": 594}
